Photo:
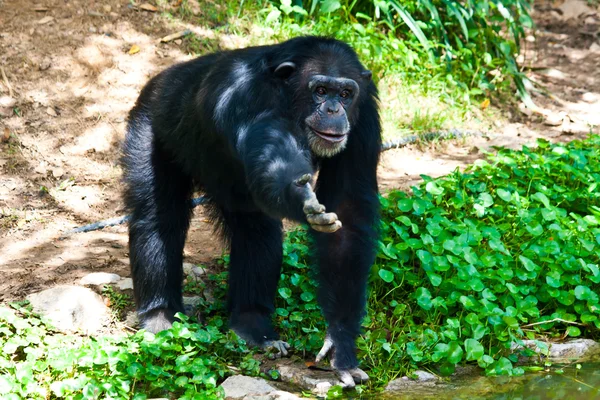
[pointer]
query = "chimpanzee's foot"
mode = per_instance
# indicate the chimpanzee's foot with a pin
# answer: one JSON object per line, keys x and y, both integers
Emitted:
{"x": 157, "y": 320}
{"x": 256, "y": 329}
{"x": 349, "y": 377}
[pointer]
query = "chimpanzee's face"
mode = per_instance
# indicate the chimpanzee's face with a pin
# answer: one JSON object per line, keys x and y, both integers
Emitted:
{"x": 327, "y": 126}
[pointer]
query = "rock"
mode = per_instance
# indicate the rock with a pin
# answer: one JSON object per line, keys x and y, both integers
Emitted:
{"x": 125, "y": 284}
{"x": 239, "y": 387}
{"x": 51, "y": 111}
{"x": 7, "y": 102}
{"x": 132, "y": 320}
{"x": 99, "y": 278}
{"x": 44, "y": 64}
{"x": 577, "y": 349}
{"x": 322, "y": 388}
{"x": 555, "y": 119}
{"x": 277, "y": 395}
{"x": 58, "y": 173}
{"x": 191, "y": 301}
{"x": 595, "y": 48}
{"x": 423, "y": 378}
{"x": 308, "y": 379}
{"x": 71, "y": 308}
{"x": 192, "y": 270}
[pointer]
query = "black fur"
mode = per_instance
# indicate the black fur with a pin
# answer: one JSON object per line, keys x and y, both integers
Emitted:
{"x": 232, "y": 126}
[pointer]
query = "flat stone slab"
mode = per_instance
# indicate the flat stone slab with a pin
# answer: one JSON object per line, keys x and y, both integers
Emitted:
{"x": 99, "y": 278}
{"x": 71, "y": 308}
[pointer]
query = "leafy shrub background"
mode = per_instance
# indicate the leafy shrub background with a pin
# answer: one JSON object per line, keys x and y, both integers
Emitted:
{"x": 470, "y": 44}
{"x": 467, "y": 264}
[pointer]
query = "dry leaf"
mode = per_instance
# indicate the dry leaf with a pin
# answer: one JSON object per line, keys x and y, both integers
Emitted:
{"x": 45, "y": 20}
{"x": 134, "y": 49}
{"x": 175, "y": 35}
{"x": 485, "y": 104}
{"x": 6, "y": 135}
{"x": 147, "y": 7}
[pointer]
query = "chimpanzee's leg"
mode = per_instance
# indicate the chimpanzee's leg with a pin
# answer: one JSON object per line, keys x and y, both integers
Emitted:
{"x": 157, "y": 195}
{"x": 255, "y": 264}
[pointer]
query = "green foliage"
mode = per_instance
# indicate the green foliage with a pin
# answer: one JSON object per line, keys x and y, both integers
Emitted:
{"x": 473, "y": 44}
{"x": 187, "y": 361}
{"x": 469, "y": 265}
{"x": 472, "y": 257}
{"x": 118, "y": 302}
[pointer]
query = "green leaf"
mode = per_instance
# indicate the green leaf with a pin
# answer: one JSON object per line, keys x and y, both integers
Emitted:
{"x": 273, "y": 16}
{"x": 284, "y": 292}
{"x": 474, "y": 349}
{"x": 434, "y": 189}
{"x": 583, "y": 292}
{"x": 413, "y": 26}
{"x": 528, "y": 264}
{"x": 504, "y": 194}
{"x": 541, "y": 197}
{"x": 455, "y": 352}
{"x": 329, "y": 6}
{"x": 573, "y": 331}
{"x": 440, "y": 351}
{"x": 307, "y": 296}
{"x": 386, "y": 275}
{"x": 423, "y": 297}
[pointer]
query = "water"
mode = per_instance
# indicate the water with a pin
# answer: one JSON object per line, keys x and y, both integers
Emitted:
{"x": 571, "y": 384}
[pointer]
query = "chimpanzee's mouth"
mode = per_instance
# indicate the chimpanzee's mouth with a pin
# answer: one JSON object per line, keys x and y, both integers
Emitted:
{"x": 331, "y": 137}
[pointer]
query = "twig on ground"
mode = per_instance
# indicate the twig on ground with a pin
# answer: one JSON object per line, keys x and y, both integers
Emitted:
{"x": 6, "y": 82}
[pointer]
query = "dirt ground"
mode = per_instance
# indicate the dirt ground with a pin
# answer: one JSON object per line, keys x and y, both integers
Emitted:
{"x": 72, "y": 71}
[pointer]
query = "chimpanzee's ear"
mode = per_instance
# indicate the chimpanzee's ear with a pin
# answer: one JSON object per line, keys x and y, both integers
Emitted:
{"x": 285, "y": 69}
{"x": 366, "y": 75}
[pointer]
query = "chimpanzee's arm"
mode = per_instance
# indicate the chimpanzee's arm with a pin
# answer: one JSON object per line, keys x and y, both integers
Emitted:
{"x": 279, "y": 175}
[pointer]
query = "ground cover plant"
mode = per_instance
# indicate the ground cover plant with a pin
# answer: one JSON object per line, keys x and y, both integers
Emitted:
{"x": 469, "y": 264}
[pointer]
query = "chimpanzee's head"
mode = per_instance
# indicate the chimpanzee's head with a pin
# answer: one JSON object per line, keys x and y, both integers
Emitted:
{"x": 326, "y": 96}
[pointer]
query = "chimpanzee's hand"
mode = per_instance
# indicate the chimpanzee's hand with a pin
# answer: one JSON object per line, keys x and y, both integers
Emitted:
{"x": 315, "y": 213}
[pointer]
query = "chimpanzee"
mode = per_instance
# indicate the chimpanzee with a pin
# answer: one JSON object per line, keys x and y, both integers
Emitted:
{"x": 251, "y": 128}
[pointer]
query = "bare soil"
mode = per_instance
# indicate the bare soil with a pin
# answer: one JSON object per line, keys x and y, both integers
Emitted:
{"x": 71, "y": 68}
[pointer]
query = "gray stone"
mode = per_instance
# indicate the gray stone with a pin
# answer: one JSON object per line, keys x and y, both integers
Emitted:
{"x": 125, "y": 284}
{"x": 423, "y": 378}
{"x": 71, "y": 308}
{"x": 193, "y": 271}
{"x": 572, "y": 350}
{"x": 322, "y": 388}
{"x": 307, "y": 379}
{"x": 131, "y": 320}
{"x": 239, "y": 387}
{"x": 99, "y": 278}
{"x": 277, "y": 395}
{"x": 7, "y": 102}
{"x": 191, "y": 301}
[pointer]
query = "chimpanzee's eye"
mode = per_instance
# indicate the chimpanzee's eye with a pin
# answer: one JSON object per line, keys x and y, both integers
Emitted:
{"x": 321, "y": 91}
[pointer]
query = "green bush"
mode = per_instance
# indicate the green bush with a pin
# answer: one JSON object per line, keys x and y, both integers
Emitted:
{"x": 473, "y": 43}
{"x": 473, "y": 257}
